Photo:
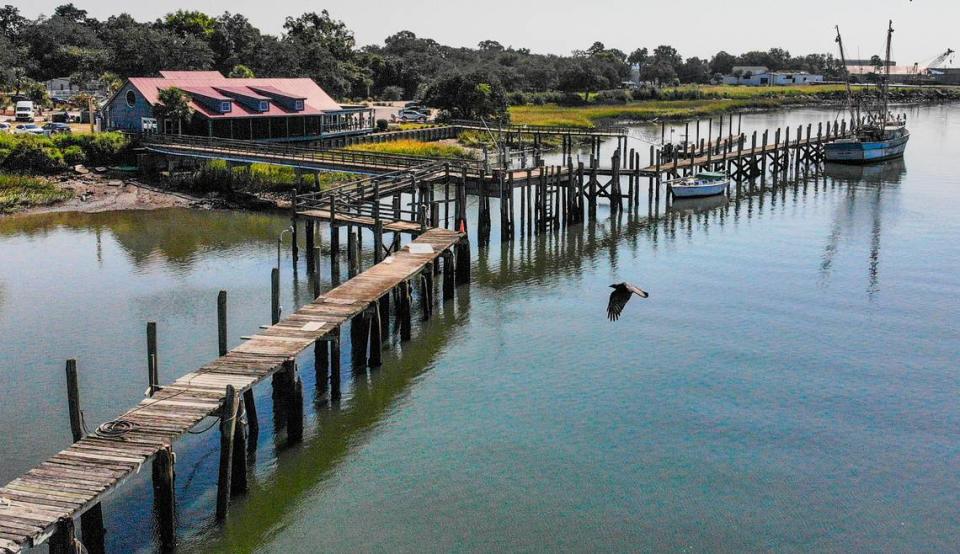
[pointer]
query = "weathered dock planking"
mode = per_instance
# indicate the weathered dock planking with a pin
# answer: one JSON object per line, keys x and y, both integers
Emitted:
{"x": 43, "y": 502}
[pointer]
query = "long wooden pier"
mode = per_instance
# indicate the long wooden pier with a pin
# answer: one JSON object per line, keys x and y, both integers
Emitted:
{"x": 42, "y": 504}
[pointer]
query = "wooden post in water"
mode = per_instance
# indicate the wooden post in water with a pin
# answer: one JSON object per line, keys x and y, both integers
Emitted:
{"x": 404, "y": 311}
{"x": 334, "y": 244}
{"x": 353, "y": 264}
{"x": 274, "y": 296}
{"x": 64, "y": 538}
{"x": 91, "y": 522}
{"x": 375, "y": 335}
{"x": 228, "y": 419}
{"x": 308, "y": 230}
{"x": 222, "y": 323}
{"x": 321, "y": 364}
{"x": 449, "y": 277}
{"x": 238, "y": 474}
{"x": 153, "y": 372}
{"x": 335, "y": 365}
{"x": 164, "y": 499}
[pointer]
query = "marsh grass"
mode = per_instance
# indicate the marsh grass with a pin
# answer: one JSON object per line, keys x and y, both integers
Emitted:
{"x": 415, "y": 148}
{"x": 18, "y": 192}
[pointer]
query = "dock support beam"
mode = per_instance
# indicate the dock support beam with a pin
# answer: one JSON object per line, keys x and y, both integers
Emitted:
{"x": 165, "y": 498}
{"x": 274, "y": 296}
{"x": 91, "y": 522}
{"x": 404, "y": 311}
{"x": 228, "y": 419}
{"x": 449, "y": 275}
{"x": 64, "y": 539}
{"x": 375, "y": 328}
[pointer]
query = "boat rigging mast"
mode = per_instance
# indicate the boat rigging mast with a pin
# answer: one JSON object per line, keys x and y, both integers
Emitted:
{"x": 886, "y": 79}
{"x": 843, "y": 61}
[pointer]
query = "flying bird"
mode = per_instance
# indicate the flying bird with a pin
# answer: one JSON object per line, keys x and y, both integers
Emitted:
{"x": 622, "y": 292}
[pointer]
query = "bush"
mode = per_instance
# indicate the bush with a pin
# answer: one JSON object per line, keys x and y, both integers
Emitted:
{"x": 618, "y": 96}
{"x": 517, "y": 98}
{"x": 20, "y": 191}
{"x": 572, "y": 99}
{"x": 392, "y": 93}
{"x": 32, "y": 154}
{"x": 100, "y": 148}
{"x": 74, "y": 155}
{"x": 382, "y": 125}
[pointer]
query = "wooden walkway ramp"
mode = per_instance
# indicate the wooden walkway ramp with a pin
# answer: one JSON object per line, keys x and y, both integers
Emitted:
{"x": 76, "y": 479}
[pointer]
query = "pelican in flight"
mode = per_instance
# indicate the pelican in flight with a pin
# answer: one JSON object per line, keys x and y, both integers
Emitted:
{"x": 622, "y": 292}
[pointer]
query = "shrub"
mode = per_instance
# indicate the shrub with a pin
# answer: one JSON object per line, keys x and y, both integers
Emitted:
{"x": 572, "y": 99}
{"x": 33, "y": 154}
{"x": 74, "y": 155}
{"x": 382, "y": 125}
{"x": 392, "y": 93}
{"x": 517, "y": 98}
{"x": 100, "y": 149}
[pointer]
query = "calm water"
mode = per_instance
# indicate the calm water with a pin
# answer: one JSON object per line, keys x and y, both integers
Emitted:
{"x": 791, "y": 384}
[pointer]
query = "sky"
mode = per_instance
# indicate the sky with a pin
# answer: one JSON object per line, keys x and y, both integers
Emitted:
{"x": 924, "y": 28}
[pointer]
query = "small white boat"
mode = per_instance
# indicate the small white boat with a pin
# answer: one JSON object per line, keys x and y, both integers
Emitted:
{"x": 702, "y": 184}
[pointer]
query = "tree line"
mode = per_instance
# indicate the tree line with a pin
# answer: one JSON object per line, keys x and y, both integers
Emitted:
{"x": 71, "y": 43}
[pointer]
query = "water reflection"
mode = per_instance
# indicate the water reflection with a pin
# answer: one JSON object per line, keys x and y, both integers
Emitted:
{"x": 176, "y": 236}
{"x": 870, "y": 181}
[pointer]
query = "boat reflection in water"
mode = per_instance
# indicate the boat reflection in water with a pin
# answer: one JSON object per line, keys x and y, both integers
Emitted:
{"x": 872, "y": 183}
{"x": 697, "y": 205}
{"x": 890, "y": 172}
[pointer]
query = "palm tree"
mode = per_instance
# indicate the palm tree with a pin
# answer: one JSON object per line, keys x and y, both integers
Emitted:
{"x": 174, "y": 105}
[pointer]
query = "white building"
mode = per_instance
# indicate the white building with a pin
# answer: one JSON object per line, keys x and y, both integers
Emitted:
{"x": 759, "y": 76}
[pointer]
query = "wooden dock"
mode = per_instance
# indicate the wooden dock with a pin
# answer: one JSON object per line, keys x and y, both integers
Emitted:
{"x": 42, "y": 503}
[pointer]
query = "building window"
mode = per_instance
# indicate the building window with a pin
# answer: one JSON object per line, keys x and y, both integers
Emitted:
{"x": 131, "y": 98}
{"x": 299, "y": 105}
{"x": 264, "y": 106}
{"x": 225, "y": 107}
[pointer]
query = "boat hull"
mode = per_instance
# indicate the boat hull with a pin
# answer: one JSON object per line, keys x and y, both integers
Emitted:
{"x": 698, "y": 191}
{"x": 865, "y": 152}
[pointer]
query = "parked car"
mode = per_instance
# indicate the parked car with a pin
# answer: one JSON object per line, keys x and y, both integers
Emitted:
{"x": 4, "y": 127}
{"x": 28, "y": 129}
{"x": 56, "y": 128}
{"x": 410, "y": 115}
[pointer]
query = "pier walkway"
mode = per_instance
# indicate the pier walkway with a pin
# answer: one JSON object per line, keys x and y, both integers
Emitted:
{"x": 42, "y": 502}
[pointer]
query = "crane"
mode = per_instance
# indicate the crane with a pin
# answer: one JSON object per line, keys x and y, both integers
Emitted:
{"x": 938, "y": 61}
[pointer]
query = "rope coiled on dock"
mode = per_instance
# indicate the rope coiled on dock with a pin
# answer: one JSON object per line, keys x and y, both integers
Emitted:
{"x": 116, "y": 428}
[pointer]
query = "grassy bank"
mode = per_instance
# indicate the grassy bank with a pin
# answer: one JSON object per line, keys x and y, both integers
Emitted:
{"x": 19, "y": 192}
{"x": 414, "y": 148}
{"x": 47, "y": 155}
{"x": 704, "y": 101}
{"x": 218, "y": 176}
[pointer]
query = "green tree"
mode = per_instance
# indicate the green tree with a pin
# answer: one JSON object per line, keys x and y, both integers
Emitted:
{"x": 173, "y": 105}
{"x": 473, "y": 95}
{"x": 241, "y": 71}
{"x": 638, "y": 57}
{"x": 189, "y": 23}
{"x": 722, "y": 63}
{"x": 11, "y": 22}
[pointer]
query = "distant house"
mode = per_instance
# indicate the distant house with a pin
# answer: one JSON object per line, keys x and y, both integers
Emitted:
{"x": 62, "y": 88}
{"x": 759, "y": 76}
{"x": 268, "y": 109}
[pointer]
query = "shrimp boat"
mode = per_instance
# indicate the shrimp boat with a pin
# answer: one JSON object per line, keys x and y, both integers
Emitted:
{"x": 702, "y": 184}
{"x": 884, "y": 138}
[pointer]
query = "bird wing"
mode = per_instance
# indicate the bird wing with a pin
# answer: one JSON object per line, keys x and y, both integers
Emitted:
{"x": 618, "y": 299}
{"x": 637, "y": 290}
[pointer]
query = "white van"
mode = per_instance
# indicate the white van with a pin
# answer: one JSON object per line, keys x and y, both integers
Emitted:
{"x": 25, "y": 111}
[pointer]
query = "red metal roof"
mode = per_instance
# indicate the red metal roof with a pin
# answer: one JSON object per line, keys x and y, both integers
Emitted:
{"x": 316, "y": 100}
{"x": 246, "y": 92}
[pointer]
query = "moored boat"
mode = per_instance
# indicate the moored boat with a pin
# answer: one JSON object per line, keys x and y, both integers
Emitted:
{"x": 700, "y": 185}
{"x": 869, "y": 145}
{"x": 884, "y": 138}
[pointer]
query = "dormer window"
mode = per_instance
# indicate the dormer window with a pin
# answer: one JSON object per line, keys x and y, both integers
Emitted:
{"x": 226, "y": 107}
{"x": 298, "y": 105}
{"x": 264, "y": 105}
